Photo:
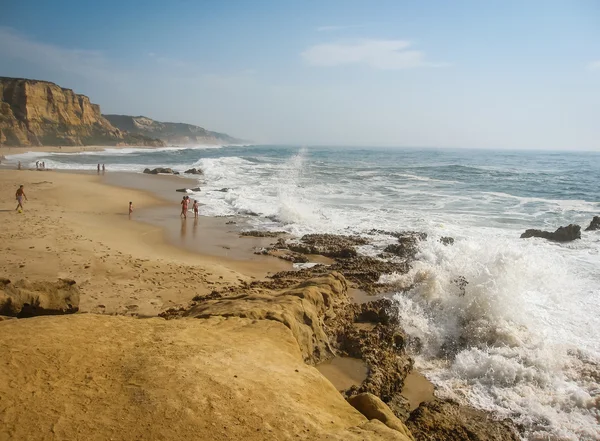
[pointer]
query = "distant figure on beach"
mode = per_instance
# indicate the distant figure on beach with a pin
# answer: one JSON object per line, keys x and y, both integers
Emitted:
{"x": 37, "y": 165}
{"x": 43, "y": 165}
{"x": 195, "y": 207}
{"x": 130, "y": 208}
{"x": 19, "y": 195}
{"x": 103, "y": 168}
{"x": 19, "y": 166}
{"x": 184, "y": 207}
{"x": 98, "y": 168}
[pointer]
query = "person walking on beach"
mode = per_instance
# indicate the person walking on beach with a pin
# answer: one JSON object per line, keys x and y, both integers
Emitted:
{"x": 130, "y": 208}
{"x": 103, "y": 168}
{"x": 98, "y": 168}
{"x": 184, "y": 207}
{"x": 37, "y": 165}
{"x": 19, "y": 166}
{"x": 19, "y": 195}
{"x": 195, "y": 207}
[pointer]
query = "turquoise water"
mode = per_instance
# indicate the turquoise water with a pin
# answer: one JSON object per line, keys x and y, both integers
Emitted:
{"x": 527, "y": 325}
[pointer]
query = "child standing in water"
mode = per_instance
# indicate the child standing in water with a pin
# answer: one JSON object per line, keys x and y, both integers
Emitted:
{"x": 195, "y": 206}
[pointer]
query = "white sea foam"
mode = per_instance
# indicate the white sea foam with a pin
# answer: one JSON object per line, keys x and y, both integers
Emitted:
{"x": 514, "y": 336}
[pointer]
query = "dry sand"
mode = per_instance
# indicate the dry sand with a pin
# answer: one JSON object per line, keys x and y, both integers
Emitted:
{"x": 73, "y": 226}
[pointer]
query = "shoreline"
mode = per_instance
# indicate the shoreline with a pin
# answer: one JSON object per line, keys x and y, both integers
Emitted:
{"x": 135, "y": 268}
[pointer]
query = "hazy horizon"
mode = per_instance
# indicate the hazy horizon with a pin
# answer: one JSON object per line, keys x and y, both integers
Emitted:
{"x": 510, "y": 75}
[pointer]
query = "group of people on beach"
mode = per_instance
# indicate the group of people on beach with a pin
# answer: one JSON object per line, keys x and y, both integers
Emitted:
{"x": 184, "y": 207}
{"x": 103, "y": 168}
{"x": 39, "y": 165}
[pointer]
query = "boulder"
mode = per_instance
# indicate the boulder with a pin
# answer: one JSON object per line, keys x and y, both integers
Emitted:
{"x": 375, "y": 409}
{"x": 193, "y": 171}
{"x": 594, "y": 224}
{"x": 28, "y": 299}
{"x": 446, "y": 240}
{"x": 449, "y": 421}
{"x": 162, "y": 170}
{"x": 562, "y": 234}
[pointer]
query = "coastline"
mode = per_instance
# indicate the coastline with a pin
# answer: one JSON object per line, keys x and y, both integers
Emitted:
{"x": 7, "y": 151}
{"x": 123, "y": 267}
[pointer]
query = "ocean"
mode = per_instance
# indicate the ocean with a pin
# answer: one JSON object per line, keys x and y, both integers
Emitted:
{"x": 525, "y": 332}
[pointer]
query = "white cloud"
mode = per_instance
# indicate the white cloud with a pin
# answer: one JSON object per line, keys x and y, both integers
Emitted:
{"x": 379, "y": 54}
{"x": 594, "y": 65}
{"x": 87, "y": 63}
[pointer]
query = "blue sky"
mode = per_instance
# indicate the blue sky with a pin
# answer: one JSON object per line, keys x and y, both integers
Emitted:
{"x": 479, "y": 74}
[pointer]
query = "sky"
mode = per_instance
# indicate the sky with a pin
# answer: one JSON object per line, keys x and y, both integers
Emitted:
{"x": 474, "y": 74}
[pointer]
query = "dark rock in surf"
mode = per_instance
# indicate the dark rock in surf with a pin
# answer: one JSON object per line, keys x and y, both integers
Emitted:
{"x": 262, "y": 233}
{"x": 185, "y": 190}
{"x": 447, "y": 420}
{"x": 330, "y": 245}
{"x": 194, "y": 171}
{"x": 562, "y": 234}
{"x": 447, "y": 240}
{"x": 161, "y": 170}
{"x": 594, "y": 224}
{"x": 223, "y": 190}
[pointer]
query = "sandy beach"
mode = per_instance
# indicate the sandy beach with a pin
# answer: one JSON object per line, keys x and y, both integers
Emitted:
{"x": 75, "y": 228}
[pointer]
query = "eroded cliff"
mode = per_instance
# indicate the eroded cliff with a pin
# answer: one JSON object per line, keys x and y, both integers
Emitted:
{"x": 34, "y": 113}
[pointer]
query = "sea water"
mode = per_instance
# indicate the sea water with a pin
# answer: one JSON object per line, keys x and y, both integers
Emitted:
{"x": 522, "y": 338}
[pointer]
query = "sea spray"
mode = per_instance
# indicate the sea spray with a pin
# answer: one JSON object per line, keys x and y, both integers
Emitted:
{"x": 500, "y": 341}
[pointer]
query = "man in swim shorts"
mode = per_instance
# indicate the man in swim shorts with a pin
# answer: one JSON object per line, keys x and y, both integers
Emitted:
{"x": 20, "y": 194}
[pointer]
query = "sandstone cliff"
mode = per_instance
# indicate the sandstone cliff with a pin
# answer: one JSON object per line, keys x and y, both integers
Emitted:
{"x": 171, "y": 133}
{"x": 34, "y": 113}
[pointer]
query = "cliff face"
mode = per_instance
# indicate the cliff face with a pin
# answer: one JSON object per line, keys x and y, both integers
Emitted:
{"x": 171, "y": 133}
{"x": 34, "y": 113}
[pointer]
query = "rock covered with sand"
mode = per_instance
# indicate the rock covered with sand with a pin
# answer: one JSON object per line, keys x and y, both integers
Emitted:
{"x": 27, "y": 299}
{"x": 111, "y": 377}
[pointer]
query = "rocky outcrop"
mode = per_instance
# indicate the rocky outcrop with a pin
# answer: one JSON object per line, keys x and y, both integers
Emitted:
{"x": 330, "y": 245}
{"x": 28, "y": 299}
{"x": 562, "y": 234}
{"x": 35, "y": 113}
{"x": 171, "y": 133}
{"x": 447, "y": 421}
{"x": 194, "y": 171}
{"x": 161, "y": 170}
{"x": 302, "y": 308}
{"x": 88, "y": 376}
{"x": 594, "y": 224}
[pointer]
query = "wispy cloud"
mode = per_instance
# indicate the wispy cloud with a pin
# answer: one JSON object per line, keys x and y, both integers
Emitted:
{"x": 89, "y": 63}
{"x": 594, "y": 65}
{"x": 332, "y": 28}
{"x": 378, "y": 54}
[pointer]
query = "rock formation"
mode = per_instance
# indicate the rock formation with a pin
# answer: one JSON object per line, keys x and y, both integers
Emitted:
{"x": 562, "y": 234}
{"x": 109, "y": 377}
{"x": 171, "y": 133}
{"x": 28, "y": 299}
{"x": 162, "y": 170}
{"x": 193, "y": 171}
{"x": 594, "y": 224}
{"x": 35, "y": 113}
